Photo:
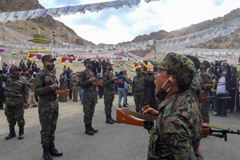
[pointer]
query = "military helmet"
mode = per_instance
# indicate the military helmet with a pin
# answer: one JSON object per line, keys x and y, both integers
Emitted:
{"x": 181, "y": 67}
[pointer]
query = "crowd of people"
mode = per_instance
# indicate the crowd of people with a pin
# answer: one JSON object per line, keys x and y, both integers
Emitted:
{"x": 185, "y": 77}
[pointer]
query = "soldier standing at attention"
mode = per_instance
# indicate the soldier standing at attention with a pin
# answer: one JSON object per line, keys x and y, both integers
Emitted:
{"x": 86, "y": 79}
{"x": 16, "y": 93}
{"x": 45, "y": 87}
{"x": 176, "y": 133}
{"x": 108, "y": 84}
{"x": 3, "y": 78}
{"x": 138, "y": 90}
{"x": 74, "y": 87}
{"x": 207, "y": 79}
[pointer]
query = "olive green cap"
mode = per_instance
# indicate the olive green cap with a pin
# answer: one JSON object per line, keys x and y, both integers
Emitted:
{"x": 206, "y": 63}
{"x": 138, "y": 69}
{"x": 88, "y": 60}
{"x": 181, "y": 67}
{"x": 108, "y": 64}
{"x": 15, "y": 68}
{"x": 48, "y": 58}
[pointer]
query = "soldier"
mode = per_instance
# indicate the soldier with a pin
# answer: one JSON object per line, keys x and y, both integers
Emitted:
{"x": 108, "y": 84}
{"x": 45, "y": 86}
{"x": 30, "y": 81}
{"x": 196, "y": 86}
{"x": 86, "y": 80}
{"x": 16, "y": 93}
{"x": 21, "y": 64}
{"x": 138, "y": 90}
{"x": 74, "y": 87}
{"x": 207, "y": 79}
{"x": 3, "y": 78}
{"x": 177, "y": 131}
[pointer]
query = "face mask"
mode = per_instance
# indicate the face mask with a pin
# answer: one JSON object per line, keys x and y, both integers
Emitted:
{"x": 50, "y": 67}
{"x": 224, "y": 73}
{"x": 73, "y": 76}
{"x": 138, "y": 74}
{"x": 201, "y": 68}
{"x": 90, "y": 66}
{"x": 161, "y": 93}
{"x": 110, "y": 68}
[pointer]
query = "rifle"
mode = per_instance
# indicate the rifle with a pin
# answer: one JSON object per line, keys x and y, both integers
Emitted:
{"x": 62, "y": 91}
{"x": 100, "y": 83}
{"x": 203, "y": 98}
{"x": 133, "y": 118}
{"x": 208, "y": 86}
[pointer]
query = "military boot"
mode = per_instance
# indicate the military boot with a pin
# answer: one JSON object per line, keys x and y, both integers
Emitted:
{"x": 92, "y": 129}
{"x": 112, "y": 118}
{"x": 46, "y": 152}
{"x": 54, "y": 151}
{"x": 11, "y": 134}
{"x": 21, "y": 132}
{"x": 88, "y": 129}
{"x": 108, "y": 119}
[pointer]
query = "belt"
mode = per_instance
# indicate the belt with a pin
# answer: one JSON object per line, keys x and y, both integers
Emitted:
{"x": 13, "y": 98}
{"x": 49, "y": 98}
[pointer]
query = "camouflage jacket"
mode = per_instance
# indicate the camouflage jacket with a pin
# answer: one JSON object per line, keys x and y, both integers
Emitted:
{"x": 42, "y": 84}
{"x": 177, "y": 131}
{"x": 84, "y": 79}
{"x": 199, "y": 79}
{"x": 3, "y": 78}
{"x": 108, "y": 83}
{"x": 74, "y": 82}
{"x": 138, "y": 84}
{"x": 16, "y": 87}
{"x": 207, "y": 79}
{"x": 196, "y": 88}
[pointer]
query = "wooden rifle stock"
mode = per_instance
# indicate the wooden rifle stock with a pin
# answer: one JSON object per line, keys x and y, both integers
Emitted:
{"x": 123, "y": 117}
{"x": 63, "y": 92}
{"x": 99, "y": 83}
{"x": 119, "y": 81}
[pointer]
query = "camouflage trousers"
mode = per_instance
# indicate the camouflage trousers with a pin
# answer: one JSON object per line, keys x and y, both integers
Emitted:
{"x": 108, "y": 101}
{"x": 139, "y": 101}
{"x": 15, "y": 112}
{"x": 48, "y": 115}
{"x": 204, "y": 111}
{"x": 89, "y": 102}
{"x": 75, "y": 91}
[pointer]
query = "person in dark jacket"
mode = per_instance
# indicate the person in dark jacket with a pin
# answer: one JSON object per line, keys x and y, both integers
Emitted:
{"x": 232, "y": 92}
{"x": 223, "y": 87}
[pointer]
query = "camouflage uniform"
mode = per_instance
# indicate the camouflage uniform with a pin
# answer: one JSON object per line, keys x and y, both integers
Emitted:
{"x": 47, "y": 105}
{"x": 75, "y": 88}
{"x": 15, "y": 91}
{"x": 108, "y": 92}
{"x": 196, "y": 89}
{"x": 149, "y": 95}
{"x": 177, "y": 131}
{"x": 89, "y": 95}
{"x": 207, "y": 79}
{"x": 3, "y": 78}
{"x": 138, "y": 91}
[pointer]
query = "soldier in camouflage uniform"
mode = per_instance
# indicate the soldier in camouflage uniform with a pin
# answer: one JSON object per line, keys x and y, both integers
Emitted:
{"x": 196, "y": 86}
{"x": 45, "y": 86}
{"x": 108, "y": 84}
{"x": 3, "y": 78}
{"x": 74, "y": 87}
{"x": 207, "y": 79}
{"x": 16, "y": 92}
{"x": 86, "y": 80}
{"x": 177, "y": 131}
{"x": 138, "y": 89}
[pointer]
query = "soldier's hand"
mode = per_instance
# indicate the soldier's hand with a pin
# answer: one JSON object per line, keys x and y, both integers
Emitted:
{"x": 54, "y": 87}
{"x": 152, "y": 111}
{"x": 91, "y": 80}
{"x": 25, "y": 105}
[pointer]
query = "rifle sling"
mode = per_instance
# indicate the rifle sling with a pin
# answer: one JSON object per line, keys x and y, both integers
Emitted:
{"x": 141, "y": 116}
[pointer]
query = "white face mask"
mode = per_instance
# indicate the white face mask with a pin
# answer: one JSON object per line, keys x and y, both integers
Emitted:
{"x": 162, "y": 94}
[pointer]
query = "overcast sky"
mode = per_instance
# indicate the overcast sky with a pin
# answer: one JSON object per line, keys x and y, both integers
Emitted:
{"x": 112, "y": 26}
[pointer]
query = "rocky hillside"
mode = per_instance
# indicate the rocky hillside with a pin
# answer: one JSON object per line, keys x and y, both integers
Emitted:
{"x": 47, "y": 24}
{"x": 228, "y": 42}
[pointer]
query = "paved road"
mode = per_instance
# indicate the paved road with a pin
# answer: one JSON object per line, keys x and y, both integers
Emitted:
{"x": 117, "y": 141}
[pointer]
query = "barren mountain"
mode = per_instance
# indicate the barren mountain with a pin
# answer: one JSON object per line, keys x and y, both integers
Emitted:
{"x": 47, "y": 24}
